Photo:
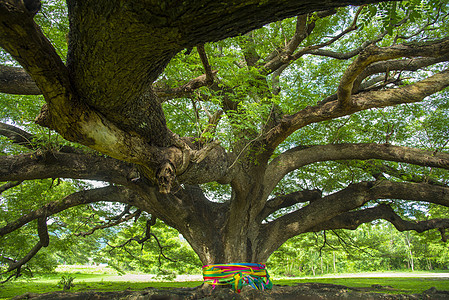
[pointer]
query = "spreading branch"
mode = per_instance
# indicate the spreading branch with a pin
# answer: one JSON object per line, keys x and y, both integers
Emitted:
{"x": 165, "y": 93}
{"x": 352, "y": 220}
{"x": 141, "y": 241}
{"x": 412, "y": 93}
{"x": 105, "y": 194}
{"x": 348, "y": 199}
{"x": 283, "y": 201}
{"x": 374, "y": 54}
{"x": 300, "y": 156}
{"x": 44, "y": 240}
{"x": 15, "y": 80}
{"x": 119, "y": 220}
{"x": 9, "y": 185}
{"x": 51, "y": 164}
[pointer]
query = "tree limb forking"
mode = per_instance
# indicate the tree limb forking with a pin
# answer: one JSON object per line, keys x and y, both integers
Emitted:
{"x": 373, "y": 54}
{"x": 44, "y": 240}
{"x": 375, "y": 99}
{"x": 148, "y": 235}
{"x": 413, "y": 64}
{"x": 111, "y": 223}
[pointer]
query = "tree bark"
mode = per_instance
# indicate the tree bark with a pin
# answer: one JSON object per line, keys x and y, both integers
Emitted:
{"x": 14, "y": 80}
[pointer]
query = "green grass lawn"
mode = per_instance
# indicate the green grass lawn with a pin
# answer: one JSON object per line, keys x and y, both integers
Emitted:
{"x": 400, "y": 285}
{"x": 82, "y": 282}
{"x": 104, "y": 282}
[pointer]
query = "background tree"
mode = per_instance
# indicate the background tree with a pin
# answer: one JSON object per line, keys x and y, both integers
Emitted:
{"x": 320, "y": 120}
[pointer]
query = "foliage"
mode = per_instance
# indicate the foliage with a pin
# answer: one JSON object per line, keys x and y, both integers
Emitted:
{"x": 364, "y": 250}
{"x": 167, "y": 256}
{"x": 66, "y": 282}
{"x": 306, "y": 82}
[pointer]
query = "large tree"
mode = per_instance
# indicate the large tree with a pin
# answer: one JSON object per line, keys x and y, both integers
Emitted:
{"x": 306, "y": 124}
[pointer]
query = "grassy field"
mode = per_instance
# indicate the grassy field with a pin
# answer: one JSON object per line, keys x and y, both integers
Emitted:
{"x": 104, "y": 279}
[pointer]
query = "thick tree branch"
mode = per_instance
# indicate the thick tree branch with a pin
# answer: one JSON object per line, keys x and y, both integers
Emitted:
{"x": 298, "y": 157}
{"x": 299, "y": 221}
{"x": 30, "y": 141}
{"x": 374, "y": 54}
{"x": 105, "y": 194}
{"x": 23, "y": 39}
{"x": 104, "y": 79}
{"x": 52, "y": 164}
{"x": 183, "y": 91}
{"x": 65, "y": 112}
{"x": 280, "y": 58}
{"x": 44, "y": 240}
{"x": 350, "y": 198}
{"x": 207, "y": 68}
{"x": 352, "y": 220}
{"x": 386, "y": 67}
{"x": 222, "y": 20}
{"x": 326, "y": 111}
{"x": 120, "y": 76}
{"x": 9, "y": 185}
{"x": 288, "y": 200}
{"x": 14, "y": 80}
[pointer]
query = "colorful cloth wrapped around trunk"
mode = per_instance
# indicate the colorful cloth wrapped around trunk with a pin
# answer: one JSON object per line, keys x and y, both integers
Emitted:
{"x": 238, "y": 275}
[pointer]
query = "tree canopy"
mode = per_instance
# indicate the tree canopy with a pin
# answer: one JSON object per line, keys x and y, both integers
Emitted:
{"x": 240, "y": 124}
